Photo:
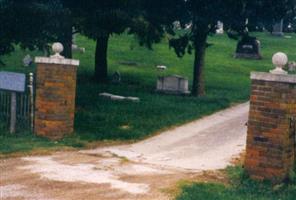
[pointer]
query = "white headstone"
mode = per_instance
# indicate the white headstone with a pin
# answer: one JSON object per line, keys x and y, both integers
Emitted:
{"x": 172, "y": 84}
{"x": 278, "y": 28}
{"x": 27, "y": 61}
{"x": 220, "y": 28}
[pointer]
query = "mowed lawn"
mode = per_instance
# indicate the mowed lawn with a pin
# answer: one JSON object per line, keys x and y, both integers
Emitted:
{"x": 239, "y": 187}
{"x": 98, "y": 119}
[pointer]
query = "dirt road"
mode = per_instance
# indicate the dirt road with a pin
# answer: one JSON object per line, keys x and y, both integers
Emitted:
{"x": 137, "y": 171}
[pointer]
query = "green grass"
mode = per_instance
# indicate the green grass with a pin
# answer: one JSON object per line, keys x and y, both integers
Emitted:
{"x": 26, "y": 142}
{"x": 240, "y": 188}
{"x": 227, "y": 82}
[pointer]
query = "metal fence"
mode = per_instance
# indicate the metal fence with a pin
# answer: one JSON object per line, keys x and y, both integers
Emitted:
{"x": 24, "y": 109}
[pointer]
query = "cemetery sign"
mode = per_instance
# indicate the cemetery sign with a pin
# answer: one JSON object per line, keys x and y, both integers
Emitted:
{"x": 11, "y": 81}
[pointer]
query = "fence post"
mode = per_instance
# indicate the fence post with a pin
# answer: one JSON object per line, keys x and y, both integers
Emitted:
{"x": 31, "y": 88}
{"x": 13, "y": 112}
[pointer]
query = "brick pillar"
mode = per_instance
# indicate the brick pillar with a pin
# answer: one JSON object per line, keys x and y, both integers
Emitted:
{"x": 55, "y": 96}
{"x": 271, "y": 142}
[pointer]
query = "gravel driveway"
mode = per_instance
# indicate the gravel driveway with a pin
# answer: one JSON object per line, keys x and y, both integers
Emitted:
{"x": 138, "y": 171}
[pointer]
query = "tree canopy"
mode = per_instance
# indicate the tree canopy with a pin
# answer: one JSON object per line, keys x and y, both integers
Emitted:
{"x": 31, "y": 24}
{"x": 34, "y": 23}
{"x": 202, "y": 16}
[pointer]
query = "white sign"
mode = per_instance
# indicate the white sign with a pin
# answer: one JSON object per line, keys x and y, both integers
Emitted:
{"x": 11, "y": 81}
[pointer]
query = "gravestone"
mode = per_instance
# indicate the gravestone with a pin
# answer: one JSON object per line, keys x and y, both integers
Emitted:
{"x": 114, "y": 97}
{"x": 75, "y": 47}
{"x": 116, "y": 78}
{"x": 78, "y": 49}
{"x": 278, "y": 28}
{"x": 129, "y": 63}
{"x": 13, "y": 82}
{"x": 248, "y": 47}
{"x": 173, "y": 85}
{"x": 292, "y": 66}
{"x": 220, "y": 27}
{"x": 27, "y": 61}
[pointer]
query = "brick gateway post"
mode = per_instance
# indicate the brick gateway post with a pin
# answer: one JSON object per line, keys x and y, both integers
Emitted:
{"x": 55, "y": 95}
{"x": 271, "y": 127}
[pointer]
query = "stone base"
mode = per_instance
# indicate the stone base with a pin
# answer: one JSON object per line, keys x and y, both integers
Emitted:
{"x": 173, "y": 92}
{"x": 248, "y": 56}
{"x": 279, "y": 34}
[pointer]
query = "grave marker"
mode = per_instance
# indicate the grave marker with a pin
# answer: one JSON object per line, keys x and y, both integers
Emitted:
{"x": 278, "y": 28}
{"x": 248, "y": 48}
{"x": 173, "y": 85}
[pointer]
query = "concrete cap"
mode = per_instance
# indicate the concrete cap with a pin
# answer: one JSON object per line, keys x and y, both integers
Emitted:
{"x": 273, "y": 77}
{"x": 57, "y": 48}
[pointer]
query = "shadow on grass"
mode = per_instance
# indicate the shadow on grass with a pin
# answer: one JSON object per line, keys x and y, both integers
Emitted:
{"x": 25, "y": 142}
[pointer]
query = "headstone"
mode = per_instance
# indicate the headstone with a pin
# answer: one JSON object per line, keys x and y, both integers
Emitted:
{"x": 134, "y": 99}
{"x": 248, "y": 48}
{"x": 119, "y": 98}
{"x": 128, "y": 63}
{"x": 161, "y": 67}
{"x": 105, "y": 95}
{"x": 78, "y": 49}
{"x": 177, "y": 25}
{"x": 173, "y": 85}
{"x": 220, "y": 28}
{"x": 278, "y": 28}
{"x": 27, "y": 61}
{"x": 292, "y": 66}
{"x": 289, "y": 28}
{"x": 116, "y": 78}
{"x": 75, "y": 47}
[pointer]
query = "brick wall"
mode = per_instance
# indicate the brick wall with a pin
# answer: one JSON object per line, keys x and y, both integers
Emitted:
{"x": 271, "y": 141}
{"x": 55, "y": 99}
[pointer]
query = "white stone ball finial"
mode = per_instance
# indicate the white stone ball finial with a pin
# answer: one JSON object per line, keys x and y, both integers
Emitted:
{"x": 57, "y": 48}
{"x": 279, "y": 60}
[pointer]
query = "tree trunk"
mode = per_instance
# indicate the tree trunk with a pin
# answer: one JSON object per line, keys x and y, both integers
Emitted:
{"x": 66, "y": 39}
{"x": 67, "y": 47}
{"x": 198, "y": 88}
{"x": 101, "y": 65}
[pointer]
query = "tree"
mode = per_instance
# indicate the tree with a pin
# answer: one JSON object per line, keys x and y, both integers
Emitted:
{"x": 6, "y": 31}
{"x": 33, "y": 24}
{"x": 203, "y": 15}
{"x": 98, "y": 21}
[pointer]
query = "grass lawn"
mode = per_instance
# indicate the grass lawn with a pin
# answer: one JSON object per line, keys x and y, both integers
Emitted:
{"x": 239, "y": 188}
{"x": 98, "y": 119}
